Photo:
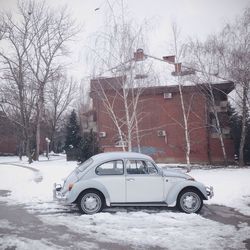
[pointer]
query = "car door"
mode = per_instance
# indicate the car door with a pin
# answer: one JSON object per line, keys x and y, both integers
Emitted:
{"x": 111, "y": 175}
{"x": 143, "y": 182}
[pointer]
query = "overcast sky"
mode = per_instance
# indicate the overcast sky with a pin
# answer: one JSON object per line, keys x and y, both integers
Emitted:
{"x": 196, "y": 18}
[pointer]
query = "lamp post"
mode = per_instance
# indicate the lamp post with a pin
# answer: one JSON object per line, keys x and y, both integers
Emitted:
{"x": 47, "y": 149}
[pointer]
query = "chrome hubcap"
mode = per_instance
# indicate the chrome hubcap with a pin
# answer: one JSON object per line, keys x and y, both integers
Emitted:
{"x": 91, "y": 203}
{"x": 190, "y": 202}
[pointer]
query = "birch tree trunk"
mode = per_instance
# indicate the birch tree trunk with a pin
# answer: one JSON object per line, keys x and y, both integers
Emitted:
{"x": 137, "y": 135}
{"x": 186, "y": 132}
{"x": 218, "y": 125}
{"x": 178, "y": 54}
{"x": 243, "y": 127}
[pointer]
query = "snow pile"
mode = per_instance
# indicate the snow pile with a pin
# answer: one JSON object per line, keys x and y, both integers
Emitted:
{"x": 143, "y": 229}
{"x": 33, "y": 183}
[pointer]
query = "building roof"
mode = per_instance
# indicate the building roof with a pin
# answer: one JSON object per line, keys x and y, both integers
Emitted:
{"x": 225, "y": 87}
{"x": 153, "y": 71}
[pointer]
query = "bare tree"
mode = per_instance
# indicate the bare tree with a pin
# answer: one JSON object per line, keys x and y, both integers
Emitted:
{"x": 18, "y": 95}
{"x": 233, "y": 50}
{"x": 227, "y": 55}
{"x": 60, "y": 94}
{"x": 51, "y": 31}
{"x": 33, "y": 43}
{"x": 123, "y": 91}
{"x": 114, "y": 56}
{"x": 202, "y": 60}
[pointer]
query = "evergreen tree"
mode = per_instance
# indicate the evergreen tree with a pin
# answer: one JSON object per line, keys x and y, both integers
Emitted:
{"x": 77, "y": 147}
{"x": 247, "y": 145}
{"x": 73, "y": 137}
{"x": 235, "y": 128}
{"x": 88, "y": 146}
{"x": 236, "y": 125}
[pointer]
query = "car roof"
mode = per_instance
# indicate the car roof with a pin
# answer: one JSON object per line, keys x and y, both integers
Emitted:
{"x": 119, "y": 155}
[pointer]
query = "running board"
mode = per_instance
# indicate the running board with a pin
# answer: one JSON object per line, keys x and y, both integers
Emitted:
{"x": 139, "y": 204}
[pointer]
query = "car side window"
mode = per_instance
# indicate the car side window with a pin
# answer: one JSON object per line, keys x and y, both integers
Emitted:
{"x": 110, "y": 168}
{"x": 151, "y": 168}
{"x": 136, "y": 167}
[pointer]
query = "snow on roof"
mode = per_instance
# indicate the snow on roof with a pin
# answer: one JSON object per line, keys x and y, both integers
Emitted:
{"x": 157, "y": 72}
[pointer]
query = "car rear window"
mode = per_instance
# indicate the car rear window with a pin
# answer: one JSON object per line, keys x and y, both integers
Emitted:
{"x": 110, "y": 168}
{"x": 85, "y": 165}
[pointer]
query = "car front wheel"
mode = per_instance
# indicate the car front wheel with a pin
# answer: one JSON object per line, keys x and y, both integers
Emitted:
{"x": 90, "y": 202}
{"x": 189, "y": 201}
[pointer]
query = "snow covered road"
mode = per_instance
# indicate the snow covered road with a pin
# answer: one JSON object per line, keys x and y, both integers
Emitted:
{"x": 48, "y": 225}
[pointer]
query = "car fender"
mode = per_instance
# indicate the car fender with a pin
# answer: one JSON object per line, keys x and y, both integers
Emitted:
{"x": 80, "y": 186}
{"x": 173, "y": 193}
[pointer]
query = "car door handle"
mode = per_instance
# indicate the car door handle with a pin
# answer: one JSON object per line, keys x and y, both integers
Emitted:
{"x": 130, "y": 179}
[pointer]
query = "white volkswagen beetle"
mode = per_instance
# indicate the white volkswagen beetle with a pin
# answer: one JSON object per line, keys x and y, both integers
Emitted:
{"x": 130, "y": 179}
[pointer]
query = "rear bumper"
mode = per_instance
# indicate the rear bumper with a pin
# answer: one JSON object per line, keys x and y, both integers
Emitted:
{"x": 210, "y": 191}
{"x": 58, "y": 195}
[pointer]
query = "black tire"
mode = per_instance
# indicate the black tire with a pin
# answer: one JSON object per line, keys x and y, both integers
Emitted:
{"x": 90, "y": 202}
{"x": 189, "y": 201}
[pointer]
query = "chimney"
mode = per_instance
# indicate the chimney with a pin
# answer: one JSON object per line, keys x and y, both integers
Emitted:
{"x": 177, "y": 67}
{"x": 139, "y": 55}
{"x": 169, "y": 59}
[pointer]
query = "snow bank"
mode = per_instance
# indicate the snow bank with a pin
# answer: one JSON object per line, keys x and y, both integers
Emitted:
{"x": 33, "y": 183}
{"x": 144, "y": 229}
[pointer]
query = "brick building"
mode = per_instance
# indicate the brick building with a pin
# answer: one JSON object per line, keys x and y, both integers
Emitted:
{"x": 8, "y": 139}
{"x": 160, "y": 125}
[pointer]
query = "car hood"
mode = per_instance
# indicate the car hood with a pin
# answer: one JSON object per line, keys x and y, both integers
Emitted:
{"x": 174, "y": 173}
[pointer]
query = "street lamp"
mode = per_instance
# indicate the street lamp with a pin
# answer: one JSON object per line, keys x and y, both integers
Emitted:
{"x": 47, "y": 149}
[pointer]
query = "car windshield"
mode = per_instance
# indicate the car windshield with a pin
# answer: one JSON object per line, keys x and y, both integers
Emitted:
{"x": 85, "y": 165}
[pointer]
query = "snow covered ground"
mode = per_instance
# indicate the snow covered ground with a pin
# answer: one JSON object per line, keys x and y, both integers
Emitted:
{"x": 232, "y": 187}
{"x": 31, "y": 185}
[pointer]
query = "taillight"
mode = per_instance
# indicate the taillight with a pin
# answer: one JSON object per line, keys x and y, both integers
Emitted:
{"x": 70, "y": 186}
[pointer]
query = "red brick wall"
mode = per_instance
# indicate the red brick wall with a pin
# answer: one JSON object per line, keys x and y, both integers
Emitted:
{"x": 8, "y": 144}
{"x": 166, "y": 114}
{"x": 216, "y": 150}
{"x": 8, "y": 140}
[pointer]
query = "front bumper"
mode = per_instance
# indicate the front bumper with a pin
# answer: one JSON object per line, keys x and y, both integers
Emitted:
{"x": 58, "y": 195}
{"x": 210, "y": 191}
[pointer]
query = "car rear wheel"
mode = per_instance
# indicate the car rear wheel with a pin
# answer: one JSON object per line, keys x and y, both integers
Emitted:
{"x": 90, "y": 202}
{"x": 189, "y": 201}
